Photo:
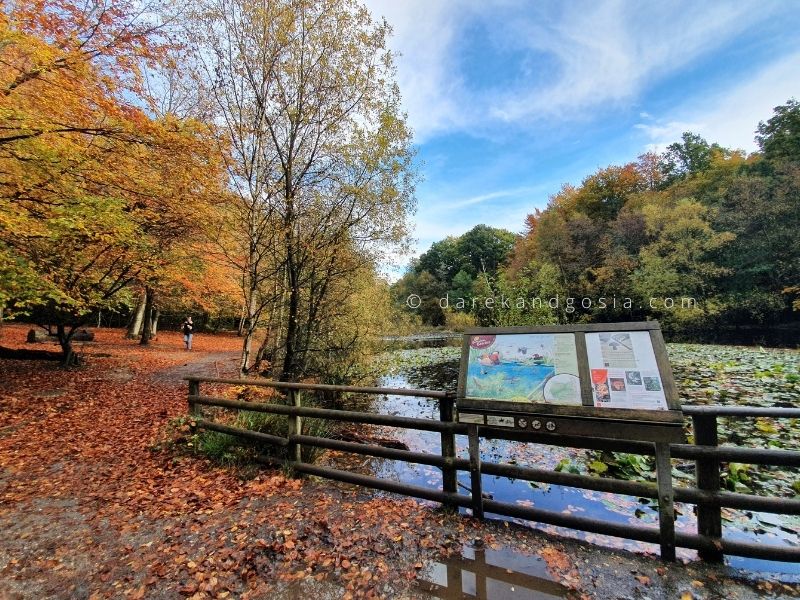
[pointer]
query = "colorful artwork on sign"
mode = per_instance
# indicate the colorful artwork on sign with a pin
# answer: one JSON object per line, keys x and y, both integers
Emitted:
{"x": 525, "y": 367}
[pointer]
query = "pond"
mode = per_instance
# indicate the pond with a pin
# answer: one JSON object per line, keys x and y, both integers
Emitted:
{"x": 705, "y": 375}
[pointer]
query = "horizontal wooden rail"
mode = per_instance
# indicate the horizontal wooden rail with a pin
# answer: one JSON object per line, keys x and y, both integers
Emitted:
{"x": 774, "y": 552}
{"x": 750, "y": 456}
{"x": 789, "y": 506}
{"x": 642, "y": 534}
{"x": 353, "y": 389}
{"x": 421, "y": 458}
{"x": 335, "y": 415}
{"x": 245, "y": 433}
{"x": 383, "y": 484}
{"x": 615, "y": 486}
{"x": 560, "y": 519}
{"x": 688, "y": 409}
{"x": 783, "y": 506}
{"x": 707, "y": 454}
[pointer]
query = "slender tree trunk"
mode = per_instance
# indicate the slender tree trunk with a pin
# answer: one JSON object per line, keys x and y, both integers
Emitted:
{"x": 268, "y": 349}
{"x": 249, "y": 325}
{"x": 135, "y": 325}
{"x": 147, "y": 328}
{"x": 154, "y": 329}
{"x": 249, "y": 330}
{"x": 292, "y": 272}
{"x": 242, "y": 320}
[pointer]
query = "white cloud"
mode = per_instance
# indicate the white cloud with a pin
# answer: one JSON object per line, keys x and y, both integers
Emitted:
{"x": 731, "y": 116}
{"x": 663, "y": 134}
{"x": 574, "y": 56}
{"x": 607, "y": 52}
{"x": 425, "y": 34}
{"x": 480, "y": 199}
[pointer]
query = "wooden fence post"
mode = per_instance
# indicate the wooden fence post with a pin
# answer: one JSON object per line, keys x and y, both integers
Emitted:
{"x": 475, "y": 472}
{"x": 449, "y": 473}
{"x": 666, "y": 506}
{"x": 295, "y": 428}
{"x": 709, "y": 517}
{"x": 195, "y": 412}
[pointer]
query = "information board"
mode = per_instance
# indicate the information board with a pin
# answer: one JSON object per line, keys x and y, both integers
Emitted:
{"x": 523, "y": 367}
{"x": 616, "y": 371}
{"x": 556, "y": 384}
{"x": 624, "y": 371}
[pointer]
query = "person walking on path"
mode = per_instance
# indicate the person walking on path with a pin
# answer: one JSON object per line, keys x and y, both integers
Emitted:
{"x": 188, "y": 332}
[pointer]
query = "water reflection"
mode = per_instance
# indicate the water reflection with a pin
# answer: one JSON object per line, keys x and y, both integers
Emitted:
{"x": 411, "y": 342}
{"x": 486, "y": 573}
{"x": 610, "y": 507}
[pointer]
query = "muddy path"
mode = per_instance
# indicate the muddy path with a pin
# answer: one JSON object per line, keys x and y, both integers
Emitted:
{"x": 101, "y": 498}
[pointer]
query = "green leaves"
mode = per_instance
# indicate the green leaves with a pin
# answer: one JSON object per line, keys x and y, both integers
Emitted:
{"x": 566, "y": 464}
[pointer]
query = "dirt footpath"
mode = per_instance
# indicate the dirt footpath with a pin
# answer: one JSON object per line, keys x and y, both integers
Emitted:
{"x": 93, "y": 505}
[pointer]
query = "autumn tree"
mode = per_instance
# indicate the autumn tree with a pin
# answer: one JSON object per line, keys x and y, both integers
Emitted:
{"x": 77, "y": 157}
{"x": 320, "y": 156}
{"x": 779, "y": 137}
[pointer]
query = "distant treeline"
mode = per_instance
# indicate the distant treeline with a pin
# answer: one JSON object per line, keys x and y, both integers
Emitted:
{"x": 703, "y": 238}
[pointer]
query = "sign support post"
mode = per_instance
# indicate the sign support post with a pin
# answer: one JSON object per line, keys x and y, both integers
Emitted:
{"x": 475, "y": 471}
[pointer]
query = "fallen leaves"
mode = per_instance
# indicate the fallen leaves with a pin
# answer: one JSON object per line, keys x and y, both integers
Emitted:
{"x": 150, "y": 519}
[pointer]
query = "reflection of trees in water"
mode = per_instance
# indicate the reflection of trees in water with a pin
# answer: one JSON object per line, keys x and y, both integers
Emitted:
{"x": 438, "y": 376}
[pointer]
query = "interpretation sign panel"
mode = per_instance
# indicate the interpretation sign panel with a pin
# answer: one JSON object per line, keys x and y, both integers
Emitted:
{"x": 556, "y": 383}
{"x": 523, "y": 367}
{"x": 601, "y": 379}
{"x": 624, "y": 371}
{"x": 604, "y": 366}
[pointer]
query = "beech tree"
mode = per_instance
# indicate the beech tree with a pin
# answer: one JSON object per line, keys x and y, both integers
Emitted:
{"x": 87, "y": 175}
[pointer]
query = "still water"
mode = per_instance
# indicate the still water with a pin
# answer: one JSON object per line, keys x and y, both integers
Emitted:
{"x": 611, "y": 507}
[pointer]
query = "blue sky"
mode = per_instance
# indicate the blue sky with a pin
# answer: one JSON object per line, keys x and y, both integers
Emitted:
{"x": 510, "y": 99}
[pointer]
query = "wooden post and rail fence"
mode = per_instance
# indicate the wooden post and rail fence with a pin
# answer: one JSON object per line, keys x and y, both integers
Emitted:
{"x": 709, "y": 540}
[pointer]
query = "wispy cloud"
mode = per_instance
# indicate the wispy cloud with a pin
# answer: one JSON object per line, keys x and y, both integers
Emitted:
{"x": 425, "y": 37}
{"x": 664, "y": 133}
{"x": 732, "y": 114}
{"x": 607, "y": 52}
{"x": 572, "y": 56}
{"x": 480, "y": 199}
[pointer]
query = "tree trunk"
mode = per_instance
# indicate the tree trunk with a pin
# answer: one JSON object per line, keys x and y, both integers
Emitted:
{"x": 154, "y": 329}
{"x": 240, "y": 331}
{"x": 69, "y": 358}
{"x": 135, "y": 325}
{"x": 249, "y": 330}
{"x": 289, "y": 367}
{"x": 147, "y": 328}
{"x": 292, "y": 272}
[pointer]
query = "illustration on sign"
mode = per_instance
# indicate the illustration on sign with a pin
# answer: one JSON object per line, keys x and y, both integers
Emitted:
{"x": 524, "y": 367}
{"x": 624, "y": 371}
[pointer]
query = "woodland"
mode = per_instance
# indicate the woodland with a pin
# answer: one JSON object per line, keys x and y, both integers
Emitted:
{"x": 226, "y": 158}
{"x": 250, "y": 164}
{"x": 700, "y": 237}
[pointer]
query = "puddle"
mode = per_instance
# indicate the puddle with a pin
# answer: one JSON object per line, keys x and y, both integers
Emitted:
{"x": 486, "y": 573}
